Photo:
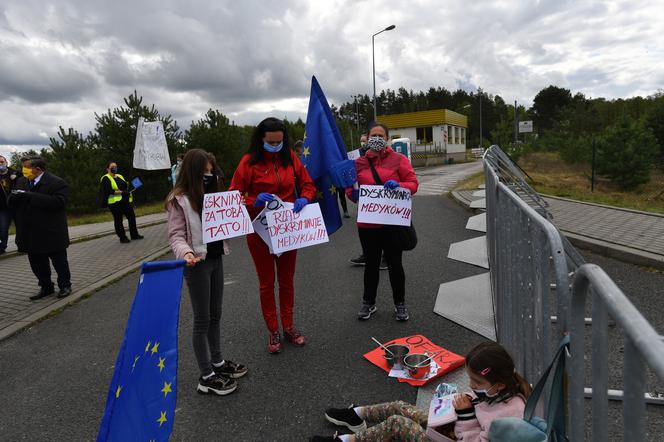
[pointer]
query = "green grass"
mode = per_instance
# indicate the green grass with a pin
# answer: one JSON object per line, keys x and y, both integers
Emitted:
{"x": 105, "y": 215}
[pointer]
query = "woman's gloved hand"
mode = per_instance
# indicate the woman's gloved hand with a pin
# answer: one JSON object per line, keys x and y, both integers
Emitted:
{"x": 390, "y": 184}
{"x": 299, "y": 204}
{"x": 262, "y": 199}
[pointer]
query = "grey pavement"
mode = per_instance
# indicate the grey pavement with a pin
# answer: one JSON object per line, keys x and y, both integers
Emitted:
{"x": 88, "y": 231}
{"x": 629, "y": 235}
{"x": 442, "y": 179}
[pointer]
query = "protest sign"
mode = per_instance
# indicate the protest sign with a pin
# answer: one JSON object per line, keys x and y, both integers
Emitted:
{"x": 354, "y": 154}
{"x": 445, "y": 359}
{"x": 224, "y": 216}
{"x": 289, "y": 230}
{"x": 150, "y": 149}
{"x": 378, "y": 205}
{"x": 260, "y": 222}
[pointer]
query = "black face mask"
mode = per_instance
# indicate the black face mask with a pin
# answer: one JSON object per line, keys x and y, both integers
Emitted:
{"x": 114, "y": 170}
{"x": 207, "y": 179}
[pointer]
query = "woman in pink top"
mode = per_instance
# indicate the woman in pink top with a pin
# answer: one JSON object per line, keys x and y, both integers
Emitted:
{"x": 394, "y": 170}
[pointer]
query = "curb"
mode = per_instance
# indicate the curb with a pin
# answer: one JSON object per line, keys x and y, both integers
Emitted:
{"x": 604, "y": 248}
{"x": 461, "y": 200}
{"x": 77, "y": 295}
{"x": 87, "y": 237}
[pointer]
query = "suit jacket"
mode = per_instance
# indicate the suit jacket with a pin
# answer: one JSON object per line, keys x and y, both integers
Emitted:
{"x": 41, "y": 218}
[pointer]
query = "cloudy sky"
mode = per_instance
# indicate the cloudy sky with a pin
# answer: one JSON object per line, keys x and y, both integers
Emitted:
{"x": 62, "y": 61}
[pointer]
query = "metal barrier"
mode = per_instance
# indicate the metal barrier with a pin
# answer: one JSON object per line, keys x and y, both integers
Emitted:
{"x": 526, "y": 259}
{"x": 643, "y": 345}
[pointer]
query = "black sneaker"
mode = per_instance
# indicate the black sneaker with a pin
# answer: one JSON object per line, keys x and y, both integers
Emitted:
{"x": 42, "y": 293}
{"x": 216, "y": 384}
{"x": 124, "y": 240}
{"x": 346, "y": 417}
{"x": 366, "y": 311}
{"x": 231, "y": 370}
{"x": 401, "y": 312}
{"x": 359, "y": 261}
{"x": 137, "y": 237}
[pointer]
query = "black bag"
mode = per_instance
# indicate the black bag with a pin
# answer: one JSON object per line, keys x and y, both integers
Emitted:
{"x": 405, "y": 237}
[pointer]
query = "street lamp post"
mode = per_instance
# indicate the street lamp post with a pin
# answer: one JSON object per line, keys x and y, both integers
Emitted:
{"x": 357, "y": 113}
{"x": 480, "y": 97}
{"x": 373, "y": 63}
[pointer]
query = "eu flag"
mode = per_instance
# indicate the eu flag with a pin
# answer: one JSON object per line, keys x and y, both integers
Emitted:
{"x": 322, "y": 149}
{"x": 141, "y": 398}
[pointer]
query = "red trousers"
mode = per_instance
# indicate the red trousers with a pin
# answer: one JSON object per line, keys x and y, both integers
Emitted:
{"x": 265, "y": 265}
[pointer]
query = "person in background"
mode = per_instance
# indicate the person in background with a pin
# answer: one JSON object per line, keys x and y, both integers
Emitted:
{"x": 39, "y": 201}
{"x": 361, "y": 260}
{"x": 271, "y": 169}
{"x": 175, "y": 168}
{"x": 498, "y": 392}
{"x": 8, "y": 178}
{"x": 114, "y": 191}
{"x": 204, "y": 272}
{"x": 297, "y": 148}
{"x": 394, "y": 170}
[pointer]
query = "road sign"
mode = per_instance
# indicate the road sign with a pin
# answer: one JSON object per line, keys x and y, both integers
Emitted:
{"x": 525, "y": 126}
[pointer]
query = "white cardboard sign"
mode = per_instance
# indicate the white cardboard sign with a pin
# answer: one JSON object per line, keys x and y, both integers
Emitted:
{"x": 150, "y": 149}
{"x": 224, "y": 216}
{"x": 260, "y": 222}
{"x": 378, "y": 205}
{"x": 289, "y": 230}
{"x": 354, "y": 154}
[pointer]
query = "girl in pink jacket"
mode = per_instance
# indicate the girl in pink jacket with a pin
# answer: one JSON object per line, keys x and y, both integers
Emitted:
{"x": 498, "y": 391}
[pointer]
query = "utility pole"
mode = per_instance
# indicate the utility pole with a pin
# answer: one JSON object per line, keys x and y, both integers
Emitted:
{"x": 516, "y": 124}
{"x": 480, "y": 97}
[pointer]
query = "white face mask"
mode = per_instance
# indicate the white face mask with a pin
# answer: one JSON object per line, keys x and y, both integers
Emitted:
{"x": 376, "y": 143}
{"x": 484, "y": 394}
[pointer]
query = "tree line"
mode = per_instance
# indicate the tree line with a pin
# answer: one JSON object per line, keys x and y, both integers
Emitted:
{"x": 628, "y": 134}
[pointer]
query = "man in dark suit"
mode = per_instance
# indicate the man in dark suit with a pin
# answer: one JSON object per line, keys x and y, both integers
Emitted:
{"x": 41, "y": 225}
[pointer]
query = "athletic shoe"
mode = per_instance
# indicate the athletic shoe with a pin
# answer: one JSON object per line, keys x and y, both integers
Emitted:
{"x": 346, "y": 215}
{"x": 346, "y": 417}
{"x": 293, "y": 336}
{"x": 137, "y": 237}
{"x": 401, "y": 312}
{"x": 216, "y": 384}
{"x": 366, "y": 311}
{"x": 231, "y": 370}
{"x": 124, "y": 240}
{"x": 383, "y": 263}
{"x": 274, "y": 344}
{"x": 359, "y": 261}
{"x": 42, "y": 293}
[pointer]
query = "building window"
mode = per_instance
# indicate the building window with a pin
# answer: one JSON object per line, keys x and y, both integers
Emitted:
{"x": 456, "y": 135}
{"x": 424, "y": 134}
{"x": 463, "y": 135}
{"x": 450, "y": 136}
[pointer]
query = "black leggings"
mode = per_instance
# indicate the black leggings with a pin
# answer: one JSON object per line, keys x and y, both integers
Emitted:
{"x": 118, "y": 210}
{"x": 375, "y": 241}
{"x": 342, "y": 200}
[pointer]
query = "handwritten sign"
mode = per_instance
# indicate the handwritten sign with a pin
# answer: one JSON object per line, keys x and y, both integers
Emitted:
{"x": 445, "y": 359}
{"x": 354, "y": 154}
{"x": 260, "y": 222}
{"x": 378, "y": 205}
{"x": 150, "y": 148}
{"x": 224, "y": 216}
{"x": 289, "y": 230}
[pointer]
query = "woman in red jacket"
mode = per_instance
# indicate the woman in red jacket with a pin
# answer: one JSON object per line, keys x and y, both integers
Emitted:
{"x": 269, "y": 169}
{"x": 394, "y": 170}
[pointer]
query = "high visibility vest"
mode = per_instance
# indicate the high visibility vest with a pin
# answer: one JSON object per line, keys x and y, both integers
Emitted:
{"x": 113, "y": 198}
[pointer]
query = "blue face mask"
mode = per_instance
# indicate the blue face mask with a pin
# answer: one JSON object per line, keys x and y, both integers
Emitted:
{"x": 271, "y": 148}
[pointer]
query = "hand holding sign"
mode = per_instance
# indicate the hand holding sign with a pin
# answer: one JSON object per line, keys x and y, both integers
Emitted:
{"x": 225, "y": 216}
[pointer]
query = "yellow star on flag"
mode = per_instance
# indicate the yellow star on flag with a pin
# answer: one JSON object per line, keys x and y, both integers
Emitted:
{"x": 305, "y": 152}
{"x": 162, "y": 418}
{"x": 147, "y": 347}
{"x": 135, "y": 361}
{"x": 155, "y": 348}
{"x": 117, "y": 392}
{"x": 161, "y": 364}
{"x": 167, "y": 388}
{"x": 333, "y": 190}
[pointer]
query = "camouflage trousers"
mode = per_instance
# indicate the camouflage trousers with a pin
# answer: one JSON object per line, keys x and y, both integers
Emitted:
{"x": 395, "y": 421}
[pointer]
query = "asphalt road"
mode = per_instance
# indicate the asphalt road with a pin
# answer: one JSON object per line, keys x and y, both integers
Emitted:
{"x": 54, "y": 376}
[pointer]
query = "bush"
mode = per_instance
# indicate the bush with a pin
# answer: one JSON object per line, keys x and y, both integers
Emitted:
{"x": 625, "y": 154}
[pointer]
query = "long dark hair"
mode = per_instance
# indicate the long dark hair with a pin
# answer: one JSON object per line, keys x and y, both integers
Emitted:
{"x": 491, "y": 361}
{"x": 190, "y": 178}
{"x": 256, "y": 150}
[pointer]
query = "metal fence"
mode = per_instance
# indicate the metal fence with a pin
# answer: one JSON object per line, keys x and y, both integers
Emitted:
{"x": 643, "y": 348}
{"x": 526, "y": 259}
{"x": 531, "y": 264}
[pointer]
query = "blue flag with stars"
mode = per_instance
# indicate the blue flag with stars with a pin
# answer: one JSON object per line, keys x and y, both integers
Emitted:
{"x": 322, "y": 149}
{"x": 141, "y": 398}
